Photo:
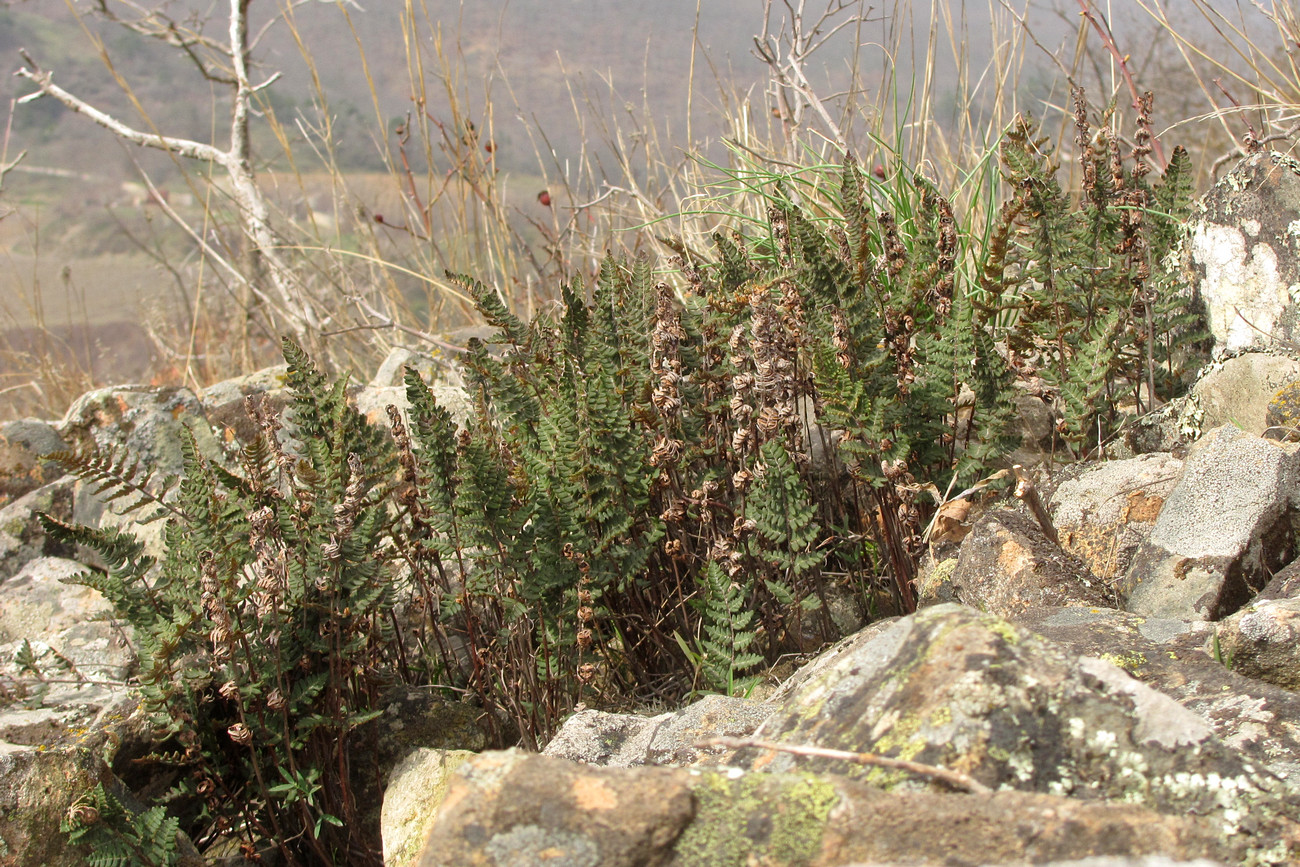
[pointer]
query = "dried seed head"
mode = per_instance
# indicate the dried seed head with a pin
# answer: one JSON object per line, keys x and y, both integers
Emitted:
{"x": 584, "y": 638}
{"x": 240, "y": 734}
{"x": 586, "y": 673}
{"x": 275, "y": 700}
{"x": 229, "y": 690}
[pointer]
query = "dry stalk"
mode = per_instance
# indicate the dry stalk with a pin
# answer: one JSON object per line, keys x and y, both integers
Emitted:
{"x": 956, "y": 779}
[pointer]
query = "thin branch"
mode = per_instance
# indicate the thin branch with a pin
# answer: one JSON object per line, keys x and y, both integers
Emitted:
{"x": 956, "y": 779}
{"x": 184, "y": 147}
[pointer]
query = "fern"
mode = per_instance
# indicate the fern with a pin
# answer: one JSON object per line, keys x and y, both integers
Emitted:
{"x": 727, "y": 634}
{"x": 118, "y": 837}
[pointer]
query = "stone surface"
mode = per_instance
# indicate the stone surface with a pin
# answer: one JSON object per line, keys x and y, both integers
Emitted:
{"x": 1225, "y": 527}
{"x": 1175, "y": 657}
{"x": 1240, "y": 254}
{"x": 145, "y": 420}
{"x": 65, "y": 623}
{"x": 36, "y": 789}
{"x": 22, "y": 444}
{"x": 625, "y": 740}
{"x": 954, "y": 688}
{"x": 415, "y": 789}
{"x": 1238, "y": 391}
{"x": 1263, "y": 641}
{"x": 1104, "y": 513}
{"x": 1282, "y": 417}
{"x": 517, "y": 809}
{"x": 1007, "y": 564}
{"x": 23, "y": 537}
{"x": 512, "y": 808}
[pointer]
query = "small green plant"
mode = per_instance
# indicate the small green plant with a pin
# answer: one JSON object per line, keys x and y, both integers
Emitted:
{"x": 1079, "y": 284}
{"x": 265, "y": 635}
{"x": 115, "y": 836}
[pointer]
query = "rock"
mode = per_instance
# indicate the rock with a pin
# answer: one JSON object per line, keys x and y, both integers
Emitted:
{"x": 1167, "y": 429}
{"x": 145, "y": 420}
{"x": 625, "y": 740}
{"x": 37, "y": 788}
{"x": 373, "y": 402}
{"x": 1282, "y": 417}
{"x": 1103, "y": 514}
{"x": 23, "y": 537}
{"x": 22, "y": 444}
{"x": 224, "y": 406}
{"x": 1263, "y": 641}
{"x": 1283, "y": 585}
{"x": 392, "y": 371}
{"x": 966, "y": 691}
{"x": 517, "y": 809}
{"x": 414, "y": 792}
{"x": 1175, "y": 657}
{"x": 67, "y": 621}
{"x": 1241, "y": 486}
{"x": 1007, "y": 564}
{"x": 1240, "y": 253}
{"x": 1239, "y": 390}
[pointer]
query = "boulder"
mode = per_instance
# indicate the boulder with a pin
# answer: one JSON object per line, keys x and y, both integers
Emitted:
{"x": 513, "y": 808}
{"x": 1225, "y": 527}
{"x": 416, "y": 787}
{"x": 23, "y": 537}
{"x": 22, "y": 445}
{"x": 969, "y": 692}
{"x": 1176, "y": 658}
{"x": 1105, "y": 512}
{"x": 145, "y": 420}
{"x": 69, "y": 621}
{"x": 1263, "y": 641}
{"x": 223, "y": 402}
{"x": 1241, "y": 254}
{"x": 1239, "y": 390}
{"x": 625, "y": 740}
{"x": 1007, "y": 564}
{"x": 37, "y": 788}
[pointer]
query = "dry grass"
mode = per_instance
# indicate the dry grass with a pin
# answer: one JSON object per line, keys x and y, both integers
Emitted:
{"x": 372, "y": 249}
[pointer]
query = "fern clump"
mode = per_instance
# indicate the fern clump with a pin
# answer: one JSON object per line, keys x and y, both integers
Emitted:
{"x": 114, "y": 836}
{"x": 265, "y": 634}
{"x": 1076, "y": 280}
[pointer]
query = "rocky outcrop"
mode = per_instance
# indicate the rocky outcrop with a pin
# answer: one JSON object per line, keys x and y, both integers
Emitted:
{"x": 1105, "y": 512}
{"x": 1007, "y": 564}
{"x": 1226, "y": 526}
{"x": 512, "y": 808}
{"x": 1240, "y": 254}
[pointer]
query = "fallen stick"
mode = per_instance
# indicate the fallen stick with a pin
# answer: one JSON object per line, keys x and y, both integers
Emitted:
{"x": 955, "y": 779}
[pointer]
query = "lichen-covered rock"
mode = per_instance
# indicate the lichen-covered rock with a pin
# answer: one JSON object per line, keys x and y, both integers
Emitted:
{"x": 1175, "y": 657}
{"x": 1103, "y": 514}
{"x": 1239, "y": 390}
{"x": 37, "y": 787}
{"x": 1007, "y": 564}
{"x": 1263, "y": 641}
{"x": 516, "y": 809}
{"x": 223, "y": 402}
{"x": 146, "y": 420}
{"x": 414, "y": 792}
{"x": 1282, "y": 417}
{"x": 1225, "y": 527}
{"x": 22, "y": 445}
{"x": 967, "y": 691}
{"x": 23, "y": 537}
{"x": 1241, "y": 252}
{"x": 68, "y": 621}
{"x": 625, "y": 740}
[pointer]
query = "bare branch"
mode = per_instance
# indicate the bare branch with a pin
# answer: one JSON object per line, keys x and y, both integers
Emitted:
{"x": 184, "y": 147}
